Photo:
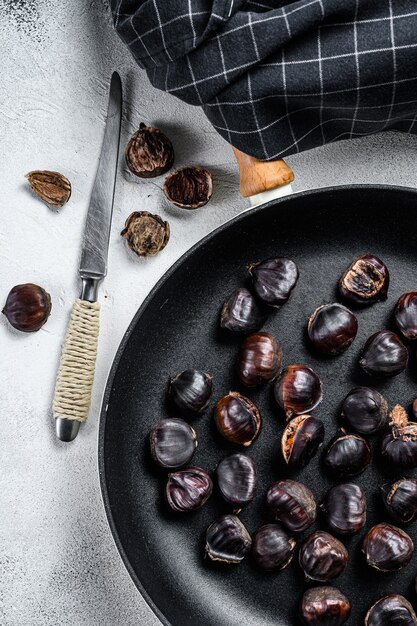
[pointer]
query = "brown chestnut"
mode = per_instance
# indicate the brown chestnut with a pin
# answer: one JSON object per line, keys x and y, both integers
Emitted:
{"x": 301, "y": 439}
{"x": 384, "y": 354}
{"x": 365, "y": 410}
{"x": 237, "y": 418}
{"x": 236, "y": 479}
{"x": 365, "y": 281}
{"x": 241, "y": 313}
{"x": 259, "y": 359}
{"x": 324, "y": 606}
{"x": 406, "y": 315}
{"x": 332, "y": 328}
{"x": 400, "y": 500}
{"x": 274, "y": 279}
{"x": 392, "y": 610}
{"x": 322, "y": 557}
{"x": 298, "y": 390}
{"x": 346, "y": 456}
{"x": 189, "y": 188}
{"x": 344, "y": 507}
{"x": 387, "y": 548}
{"x": 292, "y": 504}
{"x": 190, "y": 391}
{"x": 188, "y": 490}
{"x": 272, "y": 547}
{"x": 149, "y": 152}
{"x": 27, "y": 307}
{"x": 399, "y": 446}
{"x": 227, "y": 540}
{"x": 173, "y": 443}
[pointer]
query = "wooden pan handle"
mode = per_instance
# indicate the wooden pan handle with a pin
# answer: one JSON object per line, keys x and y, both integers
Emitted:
{"x": 258, "y": 176}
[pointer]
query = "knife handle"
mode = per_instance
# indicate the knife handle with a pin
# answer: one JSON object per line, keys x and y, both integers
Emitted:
{"x": 74, "y": 382}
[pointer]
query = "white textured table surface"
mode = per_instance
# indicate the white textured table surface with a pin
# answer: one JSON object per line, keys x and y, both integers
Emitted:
{"x": 58, "y": 562}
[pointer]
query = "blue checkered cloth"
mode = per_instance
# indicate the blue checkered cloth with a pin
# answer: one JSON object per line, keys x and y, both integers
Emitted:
{"x": 276, "y": 77}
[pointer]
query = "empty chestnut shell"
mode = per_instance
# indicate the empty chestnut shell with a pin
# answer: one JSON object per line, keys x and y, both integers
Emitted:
{"x": 236, "y": 478}
{"x": 189, "y": 188}
{"x": 272, "y": 547}
{"x": 274, "y": 279}
{"x": 324, "y": 606}
{"x": 399, "y": 446}
{"x": 344, "y": 507}
{"x": 292, "y": 504}
{"x": 392, "y": 610}
{"x": 365, "y": 281}
{"x": 322, "y": 557}
{"x": 406, "y": 315}
{"x": 188, "y": 489}
{"x": 27, "y": 307}
{"x": 365, "y": 410}
{"x": 298, "y": 390}
{"x": 149, "y": 152}
{"x": 301, "y": 439}
{"x": 173, "y": 443}
{"x": 190, "y": 391}
{"x": 387, "y": 548}
{"x": 259, "y": 359}
{"x": 384, "y": 354}
{"x": 332, "y": 328}
{"x": 347, "y": 455}
{"x": 400, "y": 500}
{"x": 227, "y": 540}
{"x": 241, "y": 313}
{"x": 238, "y": 419}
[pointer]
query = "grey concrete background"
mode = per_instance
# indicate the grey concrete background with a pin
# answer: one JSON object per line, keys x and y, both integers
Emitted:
{"x": 58, "y": 562}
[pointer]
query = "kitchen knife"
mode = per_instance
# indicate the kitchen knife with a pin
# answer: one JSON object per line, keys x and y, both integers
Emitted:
{"x": 74, "y": 382}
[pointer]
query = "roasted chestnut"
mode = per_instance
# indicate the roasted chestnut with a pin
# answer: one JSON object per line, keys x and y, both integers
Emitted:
{"x": 344, "y": 507}
{"x": 406, "y": 315}
{"x": 236, "y": 478}
{"x": 274, "y": 279}
{"x": 298, "y": 390}
{"x": 400, "y": 500}
{"x": 384, "y": 354}
{"x": 292, "y": 504}
{"x": 365, "y": 281}
{"x": 324, "y": 606}
{"x": 259, "y": 360}
{"x": 27, "y": 307}
{"x": 188, "y": 489}
{"x": 365, "y": 410}
{"x": 190, "y": 391}
{"x": 392, "y": 610}
{"x": 241, "y": 313}
{"x": 272, "y": 547}
{"x": 227, "y": 540}
{"x": 322, "y": 557}
{"x": 237, "y": 418}
{"x": 301, "y": 439}
{"x": 332, "y": 328}
{"x": 387, "y": 548}
{"x": 173, "y": 443}
{"x": 347, "y": 455}
{"x": 399, "y": 446}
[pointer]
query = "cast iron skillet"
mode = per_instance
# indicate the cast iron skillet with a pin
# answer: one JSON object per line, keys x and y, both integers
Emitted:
{"x": 176, "y": 328}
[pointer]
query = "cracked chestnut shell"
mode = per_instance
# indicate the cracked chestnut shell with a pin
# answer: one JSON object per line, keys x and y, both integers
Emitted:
{"x": 146, "y": 234}
{"x": 241, "y": 313}
{"x": 259, "y": 360}
{"x": 399, "y": 445}
{"x": 392, "y": 610}
{"x": 344, "y": 508}
{"x": 292, "y": 504}
{"x": 346, "y": 456}
{"x": 406, "y": 315}
{"x": 365, "y": 281}
{"x": 238, "y": 419}
{"x": 27, "y": 307}
{"x": 387, "y": 548}
{"x": 173, "y": 443}
{"x": 236, "y": 479}
{"x": 298, "y": 390}
{"x": 332, "y": 328}
{"x": 322, "y": 557}
{"x": 272, "y": 547}
{"x": 189, "y": 188}
{"x": 274, "y": 279}
{"x": 324, "y": 606}
{"x": 365, "y": 410}
{"x": 227, "y": 540}
{"x": 188, "y": 490}
{"x": 301, "y": 439}
{"x": 190, "y": 391}
{"x": 149, "y": 152}
{"x": 400, "y": 499}
{"x": 384, "y": 354}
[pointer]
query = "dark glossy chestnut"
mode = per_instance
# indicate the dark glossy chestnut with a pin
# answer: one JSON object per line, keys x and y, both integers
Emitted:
{"x": 274, "y": 279}
{"x": 237, "y": 418}
{"x": 384, "y": 355}
{"x": 399, "y": 445}
{"x": 227, "y": 540}
{"x": 406, "y": 315}
{"x": 332, "y": 328}
{"x": 241, "y": 313}
{"x": 292, "y": 504}
{"x": 188, "y": 489}
{"x": 346, "y": 456}
{"x": 365, "y": 281}
{"x": 272, "y": 547}
{"x": 387, "y": 548}
{"x": 259, "y": 359}
{"x": 191, "y": 391}
{"x": 301, "y": 439}
{"x": 298, "y": 390}
{"x": 236, "y": 478}
{"x": 365, "y": 410}
{"x": 344, "y": 507}
{"x": 173, "y": 443}
{"x": 392, "y": 610}
{"x": 400, "y": 499}
{"x": 414, "y": 408}
{"x": 324, "y": 606}
{"x": 322, "y": 557}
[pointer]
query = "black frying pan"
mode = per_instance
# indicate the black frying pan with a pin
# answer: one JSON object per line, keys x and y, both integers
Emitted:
{"x": 177, "y": 328}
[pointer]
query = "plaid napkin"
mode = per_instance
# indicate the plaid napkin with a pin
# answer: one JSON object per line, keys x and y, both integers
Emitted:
{"x": 276, "y": 77}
